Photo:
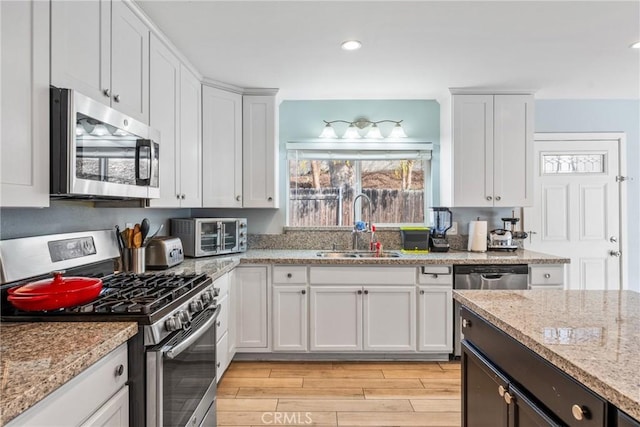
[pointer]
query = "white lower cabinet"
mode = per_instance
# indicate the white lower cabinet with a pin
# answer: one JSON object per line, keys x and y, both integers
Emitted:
{"x": 222, "y": 356}
{"x": 367, "y": 308}
{"x": 435, "y": 309}
{"x": 389, "y": 314}
{"x": 99, "y": 396}
{"x": 290, "y": 318}
{"x": 252, "y": 312}
{"x": 336, "y": 318}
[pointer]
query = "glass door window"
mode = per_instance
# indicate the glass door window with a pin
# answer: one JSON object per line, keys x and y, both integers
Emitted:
{"x": 210, "y": 236}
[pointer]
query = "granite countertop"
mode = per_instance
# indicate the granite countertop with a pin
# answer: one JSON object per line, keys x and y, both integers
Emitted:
{"x": 593, "y": 336}
{"x": 37, "y": 358}
{"x": 293, "y": 256}
{"x": 216, "y": 266}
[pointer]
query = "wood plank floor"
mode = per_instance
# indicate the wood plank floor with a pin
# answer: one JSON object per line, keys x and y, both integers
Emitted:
{"x": 374, "y": 394}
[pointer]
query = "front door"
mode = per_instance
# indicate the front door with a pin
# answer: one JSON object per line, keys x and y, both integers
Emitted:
{"x": 576, "y": 211}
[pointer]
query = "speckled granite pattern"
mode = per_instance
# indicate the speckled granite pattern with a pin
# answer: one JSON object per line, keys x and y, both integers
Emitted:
{"x": 37, "y": 358}
{"x": 452, "y": 257}
{"x": 325, "y": 237}
{"x": 213, "y": 266}
{"x": 593, "y": 336}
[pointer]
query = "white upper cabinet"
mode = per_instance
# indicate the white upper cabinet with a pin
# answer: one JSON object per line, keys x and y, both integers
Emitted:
{"x": 260, "y": 152}
{"x": 24, "y": 119}
{"x": 190, "y": 140}
{"x": 101, "y": 49}
{"x": 164, "y": 92}
{"x": 175, "y": 111}
{"x": 493, "y": 150}
{"x": 221, "y": 148}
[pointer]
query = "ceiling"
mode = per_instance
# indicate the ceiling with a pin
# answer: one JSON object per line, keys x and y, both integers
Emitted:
{"x": 411, "y": 49}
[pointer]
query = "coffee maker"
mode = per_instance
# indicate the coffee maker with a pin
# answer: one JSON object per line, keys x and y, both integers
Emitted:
{"x": 438, "y": 235}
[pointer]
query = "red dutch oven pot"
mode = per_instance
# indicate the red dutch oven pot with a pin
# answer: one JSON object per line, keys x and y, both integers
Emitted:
{"x": 52, "y": 294}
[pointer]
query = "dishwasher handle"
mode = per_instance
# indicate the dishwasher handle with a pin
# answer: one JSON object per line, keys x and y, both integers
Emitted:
{"x": 493, "y": 277}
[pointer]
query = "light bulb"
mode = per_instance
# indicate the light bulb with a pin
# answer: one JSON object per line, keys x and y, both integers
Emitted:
{"x": 397, "y": 132}
{"x": 328, "y": 132}
{"x": 351, "y": 45}
{"x": 352, "y": 132}
{"x": 374, "y": 132}
{"x": 100, "y": 130}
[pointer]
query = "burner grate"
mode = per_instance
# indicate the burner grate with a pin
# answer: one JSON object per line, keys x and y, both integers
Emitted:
{"x": 143, "y": 294}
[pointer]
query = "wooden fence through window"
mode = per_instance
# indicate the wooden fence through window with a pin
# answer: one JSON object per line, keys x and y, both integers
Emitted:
{"x": 310, "y": 207}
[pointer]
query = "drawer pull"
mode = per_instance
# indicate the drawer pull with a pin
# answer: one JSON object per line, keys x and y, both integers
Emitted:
{"x": 501, "y": 391}
{"x": 119, "y": 370}
{"x": 579, "y": 412}
{"x": 547, "y": 276}
{"x": 289, "y": 275}
{"x": 466, "y": 323}
{"x": 507, "y": 397}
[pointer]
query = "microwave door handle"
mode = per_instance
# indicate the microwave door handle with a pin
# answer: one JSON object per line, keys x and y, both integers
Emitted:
{"x": 140, "y": 143}
{"x": 175, "y": 351}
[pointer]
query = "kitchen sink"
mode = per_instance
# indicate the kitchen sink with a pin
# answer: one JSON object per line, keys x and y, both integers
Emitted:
{"x": 358, "y": 254}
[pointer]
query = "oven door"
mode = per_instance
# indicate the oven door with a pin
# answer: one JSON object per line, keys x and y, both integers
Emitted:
{"x": 230, "y": 232}
{"x": 181, "y": 376}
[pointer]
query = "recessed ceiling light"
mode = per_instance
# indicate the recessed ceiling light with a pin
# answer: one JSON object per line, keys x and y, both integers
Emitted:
{"x": 636, "y": 45}
{"x": 351, "y": 45}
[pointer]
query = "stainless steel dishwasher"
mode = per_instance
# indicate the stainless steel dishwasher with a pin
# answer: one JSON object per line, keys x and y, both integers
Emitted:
{"x": 488, "y": 278}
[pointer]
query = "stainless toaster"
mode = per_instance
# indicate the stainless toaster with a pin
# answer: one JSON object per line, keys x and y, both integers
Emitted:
{"x": 164, "y": 252}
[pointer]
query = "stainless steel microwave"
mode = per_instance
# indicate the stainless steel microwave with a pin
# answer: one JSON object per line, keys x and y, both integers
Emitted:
{"x": 100, "y": 153}
{"x": 210, "y": 236}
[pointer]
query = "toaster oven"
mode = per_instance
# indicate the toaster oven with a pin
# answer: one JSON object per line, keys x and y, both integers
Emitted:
{"x": 210, "y": 236}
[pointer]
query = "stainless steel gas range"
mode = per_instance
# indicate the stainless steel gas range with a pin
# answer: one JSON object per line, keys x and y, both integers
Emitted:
{"x": 172, "y": 360}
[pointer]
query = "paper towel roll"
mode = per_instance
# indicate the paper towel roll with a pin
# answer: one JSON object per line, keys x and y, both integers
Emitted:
{"x": 477, "y": 236}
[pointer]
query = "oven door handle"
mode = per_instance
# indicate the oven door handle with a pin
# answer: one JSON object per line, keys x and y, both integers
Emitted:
{"x": 175, "y": 351}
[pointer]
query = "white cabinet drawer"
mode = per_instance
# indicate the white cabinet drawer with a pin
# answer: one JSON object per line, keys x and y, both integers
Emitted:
{"x": 364, "y": 275}
{"x": 546, "y": 274}
{"x": 289, "y": 274}
{"x": 438, "y": 275}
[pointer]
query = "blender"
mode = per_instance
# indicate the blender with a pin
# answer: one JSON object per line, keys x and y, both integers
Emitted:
{"x": 441, "y": 223}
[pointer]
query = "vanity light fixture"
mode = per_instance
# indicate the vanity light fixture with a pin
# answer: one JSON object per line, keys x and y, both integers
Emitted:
{"x": 353, "y": 131}
{"x": 351, "y": 45}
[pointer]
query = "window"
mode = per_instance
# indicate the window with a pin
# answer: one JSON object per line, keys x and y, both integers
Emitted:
{"x": 323, "y": 185}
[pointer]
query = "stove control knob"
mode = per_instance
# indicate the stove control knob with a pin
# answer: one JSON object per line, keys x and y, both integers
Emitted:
{"x": 172, "y": 324}
{"x": 216, "y": 292}
{"x": 196, "y": 305}
{"x": 206, "y": 298}
{"x": 184, "y": 317}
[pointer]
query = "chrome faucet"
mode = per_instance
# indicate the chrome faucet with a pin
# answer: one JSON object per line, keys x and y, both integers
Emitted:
{"x": 367, "y": 228}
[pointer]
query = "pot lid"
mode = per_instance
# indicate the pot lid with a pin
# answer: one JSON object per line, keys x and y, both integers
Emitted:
{"x": 56, "y": 285}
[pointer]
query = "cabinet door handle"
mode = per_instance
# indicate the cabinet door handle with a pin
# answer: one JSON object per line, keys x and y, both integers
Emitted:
{"x": 508, "y": 398}
{"x": 237, "y": 198}
{"x": 270, "y": 199}
{"x": 106, "y": 92}
{"x": 178, "y": 196}
{"x": 303, "y": 292}
{"x": 119, "y": 370}
{"x": 579, "y": 412}
{"x": 547, "y": 276}
{"x": 501, "y": 391}
{"x": 359, "y": 292}
{"x": 289, "y": 275}
{"x": 614, "y": 253}
{"x": 116, "y": 98}
{"x": 422, "y": 292}
{"x": 218, "y": 323}
{"x": 366, "y": 292}
{"x": 466, "y": 323}
{"x": 498, "y": 198}
{"x": 489, "y": 198}
{"x": 218, "y": 364}
{"x": 183, "y": 196}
